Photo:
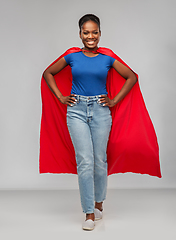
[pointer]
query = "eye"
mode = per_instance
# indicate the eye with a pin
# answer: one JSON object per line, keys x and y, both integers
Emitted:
{"x": 85, "y": 33}
{"x": 95, "y": 32}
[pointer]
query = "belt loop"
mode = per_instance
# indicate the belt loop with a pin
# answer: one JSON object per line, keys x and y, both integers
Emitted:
{"x": 97, "y": 98}
{"x": 78, "y": 98}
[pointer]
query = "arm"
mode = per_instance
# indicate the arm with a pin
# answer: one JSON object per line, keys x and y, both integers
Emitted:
{"x": 131, "y": 79}
{"x": 49, "y": 78}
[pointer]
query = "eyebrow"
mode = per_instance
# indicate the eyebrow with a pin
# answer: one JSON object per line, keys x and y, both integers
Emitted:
{"x": 88, "y": 30}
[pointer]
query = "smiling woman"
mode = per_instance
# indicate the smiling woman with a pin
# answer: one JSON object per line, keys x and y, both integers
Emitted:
{"x": 90, "y": 35}
{"x": 91, "y": 106}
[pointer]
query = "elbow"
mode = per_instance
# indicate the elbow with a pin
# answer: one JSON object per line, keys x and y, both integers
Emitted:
{"x": 45, "y": 74}
{"x": 133, "y": 78}
{"x": 136, "y": 79}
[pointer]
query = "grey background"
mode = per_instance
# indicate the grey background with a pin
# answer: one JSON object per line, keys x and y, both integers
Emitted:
{"x": 35, "y": 33}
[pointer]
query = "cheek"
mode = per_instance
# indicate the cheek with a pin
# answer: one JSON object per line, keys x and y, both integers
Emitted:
{"x": 98, "y": 39}
{"x": 83, "y": 40}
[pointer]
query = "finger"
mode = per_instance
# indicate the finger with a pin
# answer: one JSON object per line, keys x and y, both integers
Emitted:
{"x": 72, "y": 99}
{"x": 72, "y": 96}
{"x": 104, "y": 97}
{"x": 70, "y": 104}
{"x": 103, "y": 101}
{"x": 105, "y": 104}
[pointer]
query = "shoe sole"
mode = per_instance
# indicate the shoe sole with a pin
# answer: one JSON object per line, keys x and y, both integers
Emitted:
{"x": 88, "y": 229}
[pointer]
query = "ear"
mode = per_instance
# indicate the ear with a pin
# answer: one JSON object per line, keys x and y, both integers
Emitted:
{"x": 80, "y": 34}
{"x": 100, "y": 33}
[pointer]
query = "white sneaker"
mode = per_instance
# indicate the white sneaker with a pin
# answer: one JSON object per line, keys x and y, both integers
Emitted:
{"x": 98, "y": 214}
{"x": 88, "y": 225}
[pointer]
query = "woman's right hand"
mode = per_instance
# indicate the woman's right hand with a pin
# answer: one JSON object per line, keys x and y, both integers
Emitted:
{"x": 69, "y": 100}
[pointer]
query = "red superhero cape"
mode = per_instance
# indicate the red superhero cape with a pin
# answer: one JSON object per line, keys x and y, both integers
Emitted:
{"x": 132, "y": 145}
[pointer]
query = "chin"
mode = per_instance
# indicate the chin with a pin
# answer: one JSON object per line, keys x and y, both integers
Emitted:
{"x": 91, "y": 46}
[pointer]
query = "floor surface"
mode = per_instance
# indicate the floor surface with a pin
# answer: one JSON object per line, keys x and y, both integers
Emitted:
{"x": 57, "y": 214}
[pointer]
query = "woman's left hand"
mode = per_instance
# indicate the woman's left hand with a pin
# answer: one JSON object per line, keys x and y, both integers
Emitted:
{"x": 107, "y": 101}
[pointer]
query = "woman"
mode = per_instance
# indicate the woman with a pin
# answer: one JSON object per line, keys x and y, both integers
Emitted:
{"x": 88, "y": 112}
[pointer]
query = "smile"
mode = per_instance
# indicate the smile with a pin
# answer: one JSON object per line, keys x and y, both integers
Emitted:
{"x": 90, "y": 42}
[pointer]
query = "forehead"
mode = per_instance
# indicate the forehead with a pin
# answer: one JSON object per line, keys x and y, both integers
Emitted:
{"x": 90, "y": 25}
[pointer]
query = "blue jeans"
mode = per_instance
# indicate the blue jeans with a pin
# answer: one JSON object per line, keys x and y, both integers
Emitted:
{"x": 89, "y": 125}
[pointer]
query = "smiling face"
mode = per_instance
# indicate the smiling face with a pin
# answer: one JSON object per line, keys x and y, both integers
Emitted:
{"x": 90, "y": 35}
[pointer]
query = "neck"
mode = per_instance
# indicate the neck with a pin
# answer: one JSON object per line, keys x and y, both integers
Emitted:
{"x": 90, "y": 50}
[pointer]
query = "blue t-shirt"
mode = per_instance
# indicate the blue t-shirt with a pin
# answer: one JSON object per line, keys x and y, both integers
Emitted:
{"x": 89, "y": 73}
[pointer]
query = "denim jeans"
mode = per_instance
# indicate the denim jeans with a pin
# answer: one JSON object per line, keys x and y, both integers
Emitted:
{"x": 89, "y": 125}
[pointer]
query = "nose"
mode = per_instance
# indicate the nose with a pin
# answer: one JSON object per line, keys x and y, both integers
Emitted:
{"x": 90, "y": 35}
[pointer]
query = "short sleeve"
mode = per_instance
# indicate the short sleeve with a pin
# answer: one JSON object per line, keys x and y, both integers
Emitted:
{"x": 67, "y": 58}
{"x": 112, "y": 60}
